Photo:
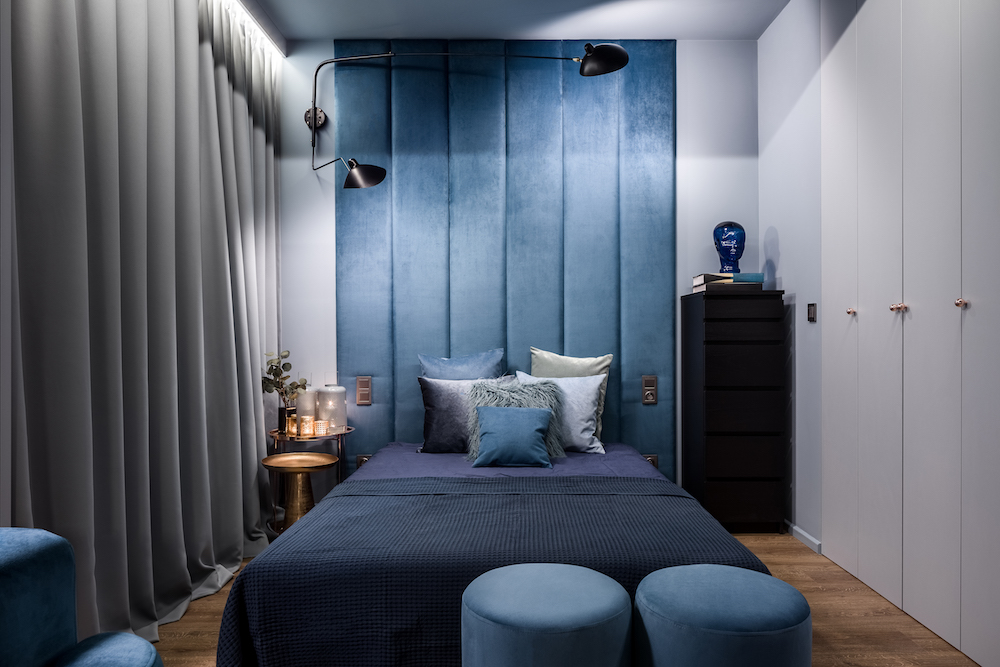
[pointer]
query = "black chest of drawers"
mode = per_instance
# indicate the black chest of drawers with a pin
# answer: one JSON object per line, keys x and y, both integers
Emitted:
{"x": 734, "y": 388}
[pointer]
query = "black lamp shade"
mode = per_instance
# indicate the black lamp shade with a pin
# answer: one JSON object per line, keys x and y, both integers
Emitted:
{"x": 363, "y": 175}
{"x": 602, "y": 59}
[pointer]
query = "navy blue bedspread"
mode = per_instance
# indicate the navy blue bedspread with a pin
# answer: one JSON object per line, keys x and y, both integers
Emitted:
{"x": 374, "y": 574}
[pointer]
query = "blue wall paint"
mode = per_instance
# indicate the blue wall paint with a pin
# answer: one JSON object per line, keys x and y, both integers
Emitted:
{"x": 525, "y": 205}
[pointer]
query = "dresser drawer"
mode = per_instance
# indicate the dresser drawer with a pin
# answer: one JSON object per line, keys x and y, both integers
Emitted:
{"x": 735, "y": 456}
{"x": 771, "y": 331}
{"x": 747, "y": 307}
{"x": 745, "y": 502}
{"x": 744, "y": 365}
{"x": 749, "y": 412}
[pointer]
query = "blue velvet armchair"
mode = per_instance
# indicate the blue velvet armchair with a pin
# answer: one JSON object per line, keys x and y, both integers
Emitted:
{"x": 38, "y": 609}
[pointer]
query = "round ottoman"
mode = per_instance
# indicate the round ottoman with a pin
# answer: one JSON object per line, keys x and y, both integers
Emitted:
{"x": 546, "y": 614}
{"x": 715, "y": 615}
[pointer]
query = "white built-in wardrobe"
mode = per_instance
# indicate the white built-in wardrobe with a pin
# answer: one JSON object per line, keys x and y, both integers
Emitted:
{"x": 911, "y": 372}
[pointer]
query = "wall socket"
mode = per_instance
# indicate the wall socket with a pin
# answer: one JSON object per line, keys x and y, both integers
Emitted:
{"x": 362, "y": 459}
{"x": 654, "y": 460}
{"x": 364, "y": 390}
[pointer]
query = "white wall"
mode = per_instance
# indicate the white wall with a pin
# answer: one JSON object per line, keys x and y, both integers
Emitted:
{"x": 788, "y": 55}
{"x": 716, "y": 151}
{"x": 716, "y": 159}
{"x": 307, "y": 287}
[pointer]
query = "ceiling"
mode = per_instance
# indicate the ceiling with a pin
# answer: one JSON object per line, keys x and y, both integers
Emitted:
{"x": 516, "y": 19}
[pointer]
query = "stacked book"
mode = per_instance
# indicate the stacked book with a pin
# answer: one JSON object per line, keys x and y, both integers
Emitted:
{"x": 728, "y": 282}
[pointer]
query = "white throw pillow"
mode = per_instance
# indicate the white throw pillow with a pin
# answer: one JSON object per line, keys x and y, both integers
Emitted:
{"x": 580, "y": 398}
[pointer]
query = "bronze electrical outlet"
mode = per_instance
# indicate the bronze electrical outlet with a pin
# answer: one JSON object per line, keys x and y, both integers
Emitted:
{"x": 364, "y": 390}
{"x": 362, "y": 459}
{"x": 654, "y": 460}
{"x": 649, "y": 390}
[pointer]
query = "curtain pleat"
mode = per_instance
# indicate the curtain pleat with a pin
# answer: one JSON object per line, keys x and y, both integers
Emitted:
{"x": 145, "y": 137}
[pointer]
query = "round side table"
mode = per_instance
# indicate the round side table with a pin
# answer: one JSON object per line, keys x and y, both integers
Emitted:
{"x": 338, "y": 433}
{"x": 296, "y": 466}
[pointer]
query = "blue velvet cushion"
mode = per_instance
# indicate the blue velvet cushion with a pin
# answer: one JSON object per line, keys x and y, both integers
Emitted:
{"x": 512, "y": 437}
{"x": 477, "y": 366}
{"x": 546, "y": 614}
{"x": 110, "y": 649}
{"x": 706, "y": 615}
{"x": 447, "y": 412}
{"x": 581, "y": 397}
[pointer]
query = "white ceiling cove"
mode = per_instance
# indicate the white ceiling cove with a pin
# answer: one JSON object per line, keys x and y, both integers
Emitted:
{"x": 517, "y": 19}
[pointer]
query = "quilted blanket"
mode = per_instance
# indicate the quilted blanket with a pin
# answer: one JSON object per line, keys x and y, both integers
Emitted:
{"x": 374, "y": 574}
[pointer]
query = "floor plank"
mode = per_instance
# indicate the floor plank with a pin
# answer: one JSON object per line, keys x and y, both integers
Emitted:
{"x": 852, "y": 625}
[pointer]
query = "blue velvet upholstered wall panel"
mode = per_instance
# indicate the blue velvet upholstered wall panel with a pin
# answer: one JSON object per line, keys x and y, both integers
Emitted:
{"x": 525, "y": 205}
{"x": 534, "y": 202}
{"x": 420, "y": 222}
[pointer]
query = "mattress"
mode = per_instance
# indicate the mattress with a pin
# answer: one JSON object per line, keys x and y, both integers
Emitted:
{"x": 374, "y": 574}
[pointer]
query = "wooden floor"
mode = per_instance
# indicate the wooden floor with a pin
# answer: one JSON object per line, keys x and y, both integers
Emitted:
{"x": 852, "y": 625}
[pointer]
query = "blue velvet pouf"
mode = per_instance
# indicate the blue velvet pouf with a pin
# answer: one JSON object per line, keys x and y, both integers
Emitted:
{"x": 545, "y": 614}
{"x": 713, "y": 615}
{"x": 38, "y": 609}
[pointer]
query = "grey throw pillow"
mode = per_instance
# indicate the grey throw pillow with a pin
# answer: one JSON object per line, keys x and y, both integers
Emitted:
{"x": 545, "y": 395}
{"x": 579, "y": 410}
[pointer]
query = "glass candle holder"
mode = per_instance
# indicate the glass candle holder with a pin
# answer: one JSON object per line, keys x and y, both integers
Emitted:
{"x": 306, "y": 404}
{"x": 331, "y": 405}
{"x": 307, "y": 425}
{"x": 322, "y": 427}
{"x": 292, "y": 425}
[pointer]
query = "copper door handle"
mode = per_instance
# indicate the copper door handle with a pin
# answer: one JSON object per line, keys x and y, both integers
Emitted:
{"x": 961, "y": 303}
{"x": 851, "y": 311}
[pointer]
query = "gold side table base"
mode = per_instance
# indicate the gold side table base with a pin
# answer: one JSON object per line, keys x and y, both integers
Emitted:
{"x": 296, "y": 466}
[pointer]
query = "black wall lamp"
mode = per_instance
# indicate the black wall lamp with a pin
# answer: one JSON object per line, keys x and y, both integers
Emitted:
{"x": 596, "y": 60}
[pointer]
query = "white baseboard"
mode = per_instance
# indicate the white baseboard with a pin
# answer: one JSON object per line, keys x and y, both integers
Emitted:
{"x": 805, "y": 538}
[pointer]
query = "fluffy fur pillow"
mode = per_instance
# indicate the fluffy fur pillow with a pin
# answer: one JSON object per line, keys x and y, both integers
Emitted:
{"x": 546, "y": 395}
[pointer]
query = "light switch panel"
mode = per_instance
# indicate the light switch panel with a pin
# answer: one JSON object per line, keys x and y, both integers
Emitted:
{"x": 649, "y": 390}
{"x": 364, "y": 390}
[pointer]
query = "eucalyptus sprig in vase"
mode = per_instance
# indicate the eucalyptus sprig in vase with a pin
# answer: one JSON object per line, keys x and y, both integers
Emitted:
{"x": 275, "y": 379}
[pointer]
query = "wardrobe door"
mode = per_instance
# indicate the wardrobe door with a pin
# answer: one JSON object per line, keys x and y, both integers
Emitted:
{"x": 980, "y": 328}
{"x": 880, "y": 272}
{"x": 839, "y": 136}
{"x": 932, "y": 340}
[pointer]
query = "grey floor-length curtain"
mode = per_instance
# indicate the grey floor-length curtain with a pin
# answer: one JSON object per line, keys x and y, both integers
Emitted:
{"x": 145, "y": 185}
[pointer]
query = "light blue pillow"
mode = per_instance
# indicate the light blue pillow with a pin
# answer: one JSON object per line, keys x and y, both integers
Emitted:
{"x": 581, "y": 396}
{"x": 477, "y": 366}
{"x": 513, "y": 437}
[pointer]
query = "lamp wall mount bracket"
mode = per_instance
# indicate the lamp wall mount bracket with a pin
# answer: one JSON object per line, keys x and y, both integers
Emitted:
{"x": 320, "y": 118}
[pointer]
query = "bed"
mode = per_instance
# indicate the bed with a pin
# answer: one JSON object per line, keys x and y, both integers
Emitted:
{"x": 374, "y": 574}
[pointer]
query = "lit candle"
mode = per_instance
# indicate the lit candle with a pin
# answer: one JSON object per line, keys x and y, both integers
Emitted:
{"x": 322, "y": 426}
{"x": 292, "y": 425}
{"x": 307, "y": 425}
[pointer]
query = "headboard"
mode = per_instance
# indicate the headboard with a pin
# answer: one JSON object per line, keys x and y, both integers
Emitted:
{"x": 525, "y": 205}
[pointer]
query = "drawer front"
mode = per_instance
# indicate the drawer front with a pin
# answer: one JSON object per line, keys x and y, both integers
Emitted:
{"x": 771, "y": 331}
{"x": 747, "y": 306}
{"x": 744, "y": 366}
{"x": 736, "y": 456}
{"x": 745, "y": 502}
{"x": 746, "y": 412}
